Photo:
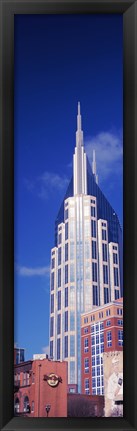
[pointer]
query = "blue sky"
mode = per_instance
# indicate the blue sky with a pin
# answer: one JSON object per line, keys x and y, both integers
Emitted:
{"x": 59, "y": 60}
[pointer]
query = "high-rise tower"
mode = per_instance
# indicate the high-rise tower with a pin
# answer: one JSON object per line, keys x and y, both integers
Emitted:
{"x": 86, "y": 262}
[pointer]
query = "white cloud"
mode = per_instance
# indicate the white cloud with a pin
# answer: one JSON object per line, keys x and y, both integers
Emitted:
{"x": 108, "y": 148}
{"x": 48, "y": 182}
{"x": 25, "y": 271}
{"x": 45, "y": 350}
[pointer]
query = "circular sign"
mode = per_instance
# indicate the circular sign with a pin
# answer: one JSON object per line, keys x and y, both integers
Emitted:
{"x": 53, "y": 380}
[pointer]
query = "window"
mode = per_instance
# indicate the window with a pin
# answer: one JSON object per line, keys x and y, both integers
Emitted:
{"x": 52, "y": 304}
{"x": 93, "y": 382}
{"x": 72, "y": 345}
{"x": 101, "y": 326}
{"x": 93, "y": 211}
{"x": 59, "y": 256}
{"x": 66, "y": 321}
{"x": 97, "y": 350}
{"x": 85, "y": 330}
{"x": 106, "y": 295}
{"x": 66, "y": 214}
{"x": 72, "y": 273}
{"x": 104, "y": 252}
{"x": 92, "y": 340}
{"x": 108, "y": 312}
{"x": 86, "y": 365}
{"x": 97, "y": 327}
{"x": 85, "y": 319}
{"x": 120, "y": 322}
{"x": 58, "y": 349}
{"x": 104, "y": 234}
{"x": 115, "y": 258}
{"x": 72, "y": 390}
{"x": 114, "y": 247}
{"x": 109, "y": 339}
{"x": 59, "y": 300}
{"x": 59, "y": 277}
{"x": 26, "y": 379}
{"x": 93, "y": 391}
{"x": 102, "y": 338}
{"x": 103, "y": 224}
{"x": 59, "y": 238}
{"x": 86, "y": 384}
{"x": 66, "y": 274}
{"x": 120, "y": 337}
{"x": 102, "y": 348}
{"x": 108, "y": 323}
{"x": 116, "y": 281}
{"x": 93, "y": 372}
{"x": 93, "y": 228}
{"x": 93, "y": 361}
{"x": 66, "y": 346}
{"x": 66, "y": 231}
{"x": 95, "y": 295}
{"x": 32, "y": 407}
{"x": 66, "y": 251}
{"x": 98, "y": 360}
{"x": 72, "y": 320}
{"x": 52, "y": 281}
{"x": 93, "y": 201}
{"x": 66, "y": 296}
{"x": 86, "y": 345}
{"x": 52, "y": 263}
{"x": 116, "y": 294}
{"x": 51, "y": 349}
{"x": 51, "y": 326}
{"x": 97, "y": 339}
{"x": 58, "y": 323}
{"x": 119, "y": 311}
{"x": 94, "y": 271}
{"x": 98, "y": 381}
{"x": 26, "y": 404}
{"x": 93, "y": 351}
{"x": 92, "y": 318}
{"x": 94, "y": 250}
{"x": 100, "y": 315}
{"x": 105, "y": 274}
{"x": 92, "y": 329}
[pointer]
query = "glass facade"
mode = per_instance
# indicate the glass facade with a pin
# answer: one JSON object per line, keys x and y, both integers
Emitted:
{"x": 85, "y": 227}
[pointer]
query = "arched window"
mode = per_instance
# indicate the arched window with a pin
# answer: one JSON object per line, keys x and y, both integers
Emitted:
{"x": 16, "y": 405}
{"x": 26, "y": 404}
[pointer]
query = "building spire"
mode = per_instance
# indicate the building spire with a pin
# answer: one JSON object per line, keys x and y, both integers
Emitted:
{"x": 94, "y": 167}
{"x": 79, "y": 132}
{"x": 79, "y": 161}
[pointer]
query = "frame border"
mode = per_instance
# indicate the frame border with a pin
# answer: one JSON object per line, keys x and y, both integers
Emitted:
{"x": 8, "y": 8}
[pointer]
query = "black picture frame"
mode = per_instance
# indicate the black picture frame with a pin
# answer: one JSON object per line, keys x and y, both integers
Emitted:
{"x": 8, "y": 9}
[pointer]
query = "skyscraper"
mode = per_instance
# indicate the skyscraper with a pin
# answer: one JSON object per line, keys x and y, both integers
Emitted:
{"x": 86, "y": 262}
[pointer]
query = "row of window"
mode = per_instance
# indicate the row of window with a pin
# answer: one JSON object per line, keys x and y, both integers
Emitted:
{"x": 100, "y": 315}
{"x": 100, "y": 339}
{"x": 72, "y": 347}
{"x": 94, "y": 269}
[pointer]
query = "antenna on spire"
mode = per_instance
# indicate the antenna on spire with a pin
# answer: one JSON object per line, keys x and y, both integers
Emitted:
{"x": 79, "y": 118}
{"x": 94, "y": 167}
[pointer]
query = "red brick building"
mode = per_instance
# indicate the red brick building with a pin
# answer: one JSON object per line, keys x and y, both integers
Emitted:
{"x": 101, "y": 331}
{"x": 38, "y": 384}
